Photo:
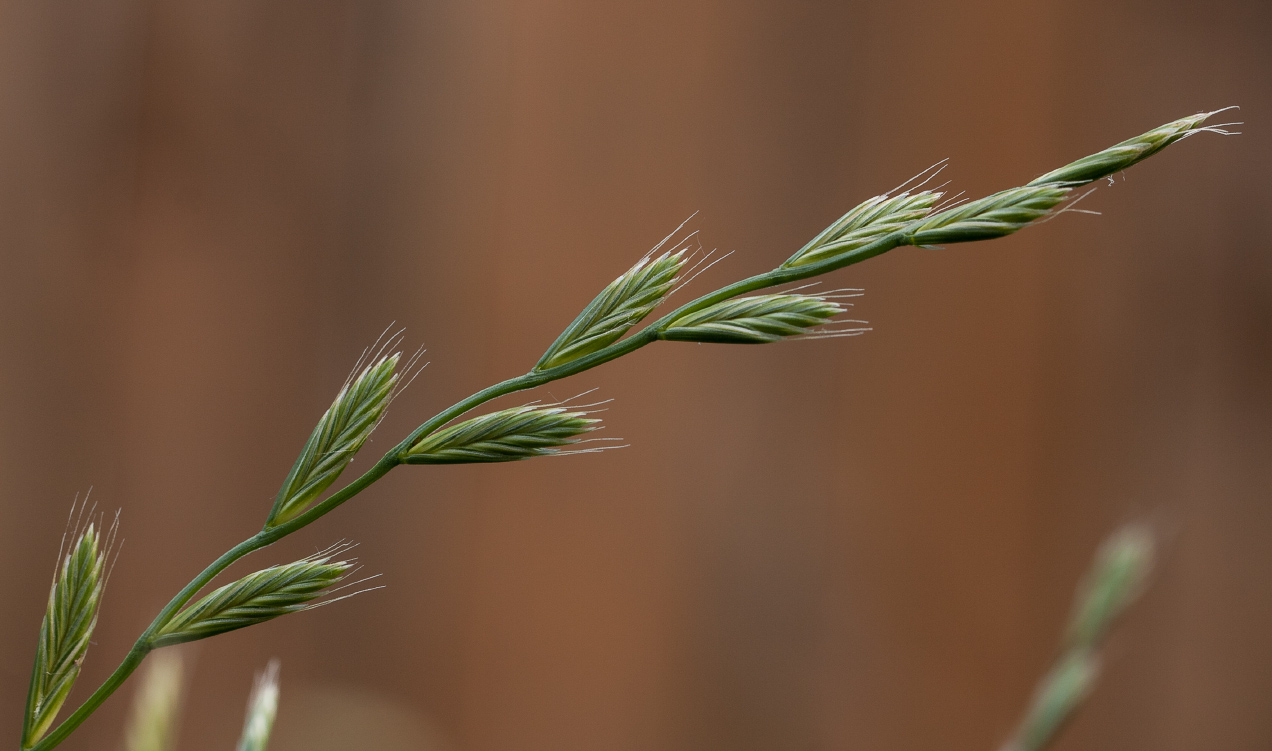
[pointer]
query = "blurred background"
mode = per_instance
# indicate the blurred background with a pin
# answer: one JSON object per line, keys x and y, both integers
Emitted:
{"x": 208, "y": 209}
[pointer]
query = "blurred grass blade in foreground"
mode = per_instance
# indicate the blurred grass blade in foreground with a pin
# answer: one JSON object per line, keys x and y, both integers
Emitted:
{"x": 871, "y": 220}
{"x": 157, "y": 708}
{"x": 1114, "y": 581}
{"x": 753, "y": 320}
{"x": 261, "y": 709}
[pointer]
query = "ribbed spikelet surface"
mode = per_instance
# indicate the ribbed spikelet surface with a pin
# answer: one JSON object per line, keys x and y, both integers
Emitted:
{"x": 256, "y": 598}
{"x": 339, "y": 435}
{"x": 504, "y": 436}
{"x": 864, "y": 224}
{"x": 993, "y": 216}
{"x": 752, "y": 320}
{"x": 621, "y": 305}
{"x": 65, "y": 633}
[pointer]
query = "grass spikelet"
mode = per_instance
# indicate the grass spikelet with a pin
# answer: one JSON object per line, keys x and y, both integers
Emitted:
{"x": 343, "y": 429}
{"x": 505, "y": 436}
{"x": 621, "y": 305}
{"x": 261, "y": 709}
{"x": 1127, "y": 153}
{"x": 753, "y": 320}
{"x": 68, "y": 626}
{"x": 256, "y": 598}
{"x": 157, "y": 707}
{"x": 864, "y": 224}
{"x": 1060, "y": 692}
{"x": 993, "y": 216}
{"x": 1115, "y": 579}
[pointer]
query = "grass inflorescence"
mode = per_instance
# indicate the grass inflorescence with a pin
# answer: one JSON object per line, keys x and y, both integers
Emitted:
{"x": 603, "y": 331}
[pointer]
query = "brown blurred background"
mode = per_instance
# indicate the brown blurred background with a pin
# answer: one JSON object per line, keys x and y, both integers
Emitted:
{"x": 207, "y": 209}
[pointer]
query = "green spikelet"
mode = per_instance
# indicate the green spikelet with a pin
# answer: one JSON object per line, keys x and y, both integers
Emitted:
{"x": 752, "y": 320}
{"x": 505, "y": 436}
{"x": 993, "y": 216}
{"x": 1058, "y": 695}
{"x": 255, "y": 598}
{"x": 65, "y": 633}
{"x": 1125, "y": 154}
{"x": 863, "y": 225}
{"x": 340, "y": 433}
{"x": 621, "y": 305}
{"x": 1116, "y": 578}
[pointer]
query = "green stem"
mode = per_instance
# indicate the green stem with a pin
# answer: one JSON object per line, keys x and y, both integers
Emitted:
{"x": 391, "y": 459}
